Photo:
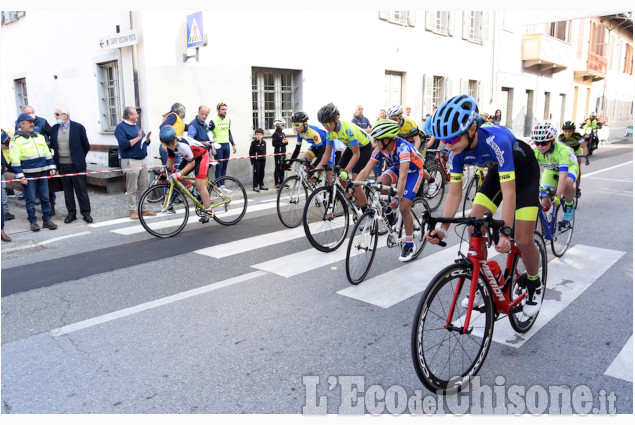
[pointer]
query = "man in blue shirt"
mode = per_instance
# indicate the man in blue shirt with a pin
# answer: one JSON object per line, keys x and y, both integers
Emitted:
{"x": 360, "y": 120}
{"x": 133, "y": 149}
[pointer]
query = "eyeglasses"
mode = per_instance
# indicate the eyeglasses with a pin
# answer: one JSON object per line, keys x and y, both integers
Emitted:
{"x": 542, "y": 143}
{"x": 298, "y": 124}
{"x": 453, "y": 140}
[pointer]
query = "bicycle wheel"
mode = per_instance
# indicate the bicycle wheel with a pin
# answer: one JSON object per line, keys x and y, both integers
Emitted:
{"x": 171, "y": 215}
{"x": 521, "y": 323}
{"x": 228, "y": 188}
{"x": 154, "y": 196}
{"x": 362, "y": 247}
{"x": 562, "y": 232}
{"x": 325, "y": 219}
{"x": 434, "y": 197}
{"x": 419, "y": 205}
{"x": 291, "y": 201}
{"x": 446, "y": 358}
{"x": 470, "y": 195}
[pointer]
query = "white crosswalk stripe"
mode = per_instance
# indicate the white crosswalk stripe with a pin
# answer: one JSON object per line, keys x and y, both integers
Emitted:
{"x": 622, "y": 366}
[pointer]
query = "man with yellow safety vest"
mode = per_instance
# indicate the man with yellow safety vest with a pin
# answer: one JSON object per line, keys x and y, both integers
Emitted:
{"x": 31, "y": 157}
{"x": 219, "y": 126}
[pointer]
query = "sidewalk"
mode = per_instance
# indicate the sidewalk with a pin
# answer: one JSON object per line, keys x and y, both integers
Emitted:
{"x": 104, "y": 207}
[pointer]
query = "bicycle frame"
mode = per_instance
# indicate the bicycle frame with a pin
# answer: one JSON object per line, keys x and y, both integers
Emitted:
{"x": 333, "y": 187}
{"x": 376, "y": 199}
{"x": 189, "y": 194}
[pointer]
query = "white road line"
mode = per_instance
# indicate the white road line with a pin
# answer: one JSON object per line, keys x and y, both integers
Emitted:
{"x": 64, "y": 237}
{"x": 610, "y": 180}
{"x": 152, "y": 304}
{"x": 403, "y": 282}
{"x": 138, "y": 228}
{"x": 622, "y": 366}
{"x": 607, "y": 169}
{"x": 568, "y": 277}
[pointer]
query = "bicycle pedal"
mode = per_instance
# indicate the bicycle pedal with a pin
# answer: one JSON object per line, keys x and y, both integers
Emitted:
{"x": 204, "y": 220}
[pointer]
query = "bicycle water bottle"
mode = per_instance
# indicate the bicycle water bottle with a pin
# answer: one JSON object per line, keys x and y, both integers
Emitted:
{"x": 495, "y": 268}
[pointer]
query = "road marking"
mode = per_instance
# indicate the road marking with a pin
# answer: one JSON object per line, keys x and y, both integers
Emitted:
{"x": 152, "y": 304}
{"x": 567, "y": 278}
{"x": 38, "y": 244}
{"x": 138, "y": 228}
{"x": 622, "y": 366}
{"x": 607, "y": 169}
{"x": 403, "y": 282}
{"x": 610, "y": 180}
{"x": 254, "y": 242}
{"x": 64, "y": 237}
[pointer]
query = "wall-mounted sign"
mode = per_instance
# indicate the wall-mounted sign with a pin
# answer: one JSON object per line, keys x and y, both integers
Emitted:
{"x": 120, "y": 39}
{"x": 195, "y": 30}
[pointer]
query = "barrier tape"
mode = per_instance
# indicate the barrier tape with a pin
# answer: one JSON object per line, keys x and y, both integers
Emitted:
{"x": 137, "y": 168}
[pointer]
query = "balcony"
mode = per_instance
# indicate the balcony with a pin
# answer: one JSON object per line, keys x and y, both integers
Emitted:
{"x": 595, "y": 70}
{"x": 542, "y": 53}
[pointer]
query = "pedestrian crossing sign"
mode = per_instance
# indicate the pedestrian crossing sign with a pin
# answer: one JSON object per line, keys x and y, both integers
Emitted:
{"x": 195, "y": 30}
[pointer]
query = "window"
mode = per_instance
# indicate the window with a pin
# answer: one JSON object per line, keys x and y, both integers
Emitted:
{"x": 628, "y": 60}
{"x": 399, "y": 17}
{"x": 473, "y": 26}
{"x": 472, "y": 89}
{"x": 598, "y": 38}
{"x": 438, "y": 90}
{"x": 392, "y": 89}
{"x": 440, "y": 22}
{"x": 12, "y": 15}
{"x": 274, "y": 93}
{"x": 547, "y": 114}
{"x": 21, "y": 98}
{"x": 109, "y": 96}
{"x": 559, "y": 30}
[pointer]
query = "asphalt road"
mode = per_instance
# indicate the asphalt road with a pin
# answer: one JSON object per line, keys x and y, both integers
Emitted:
{"x": 250, "y": 319}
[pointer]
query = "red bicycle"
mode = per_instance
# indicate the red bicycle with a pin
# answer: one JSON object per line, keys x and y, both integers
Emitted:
{"x": 452, "y": 332}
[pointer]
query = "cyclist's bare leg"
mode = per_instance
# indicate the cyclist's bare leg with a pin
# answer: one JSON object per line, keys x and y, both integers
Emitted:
{"x": 524, "y": 236}
{"x": 478, "y": 211}
{"x": 360, "y": 196}
{"x": 569, "y": 190}
{"x": 202, "y": 190}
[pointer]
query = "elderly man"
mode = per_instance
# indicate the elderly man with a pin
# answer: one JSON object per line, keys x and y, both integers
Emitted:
{"x": 31, "y": 157}
{"x": 70, "y": 147}
{"x": 198, "y": 129}
{"x": 133, "y": 149}
{"x": 360, "y": 120}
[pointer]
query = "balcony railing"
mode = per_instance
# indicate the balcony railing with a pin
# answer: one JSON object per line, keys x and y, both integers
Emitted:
{"x": 597, "y": 63}
{"x": 543, "y": 53}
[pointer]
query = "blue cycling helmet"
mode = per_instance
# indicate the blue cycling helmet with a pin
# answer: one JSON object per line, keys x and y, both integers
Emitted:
{"x": 167, "y": 134}
{"x": 454, "y": 117}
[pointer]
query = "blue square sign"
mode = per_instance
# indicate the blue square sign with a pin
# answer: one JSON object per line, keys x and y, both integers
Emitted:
{"x": 195, "y": 29}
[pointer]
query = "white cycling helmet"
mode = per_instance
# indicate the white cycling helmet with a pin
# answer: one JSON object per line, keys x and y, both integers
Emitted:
{"x": 544, "y": 131}
{"x": 279, "y": 122}
{"x": 394, "y": 111}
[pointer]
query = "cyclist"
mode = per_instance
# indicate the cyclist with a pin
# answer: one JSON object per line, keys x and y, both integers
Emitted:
{"x": 575, "y": 141}
{"x": 195, "y": 157}
{"x": 312, "y": 134}
{"x": 592, "y": 122}
{"x": 513, "y": 175}
{"x": 358, "y": 147}
{"x": 409, "y": 131}
{"x": 406, "y": 170}
{"x": 559, "y": 162}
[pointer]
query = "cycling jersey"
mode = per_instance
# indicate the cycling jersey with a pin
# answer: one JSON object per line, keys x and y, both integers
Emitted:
{"x": 505, "y": 157}
{"x": 349, "y": 134}
{"x": 408, "y": 129}
{"x": 191, "y": 150}
{"x": 403, "y": 151}
{"x": 573, "y": 142}
{"x": 559, "y": 158}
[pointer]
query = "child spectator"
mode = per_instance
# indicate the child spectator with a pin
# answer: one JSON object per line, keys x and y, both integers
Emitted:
{"x": 279, "y": 142}
{"x": 258, "y": 147}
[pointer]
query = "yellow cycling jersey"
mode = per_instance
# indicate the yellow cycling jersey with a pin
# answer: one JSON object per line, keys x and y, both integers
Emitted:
{"x": 408, "y": 129}
{"x": 349, "y": 134}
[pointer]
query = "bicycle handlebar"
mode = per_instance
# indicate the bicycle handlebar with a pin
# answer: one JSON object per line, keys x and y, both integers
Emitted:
{"x": 492, "y": 225}
{"x": 372, "y": 184}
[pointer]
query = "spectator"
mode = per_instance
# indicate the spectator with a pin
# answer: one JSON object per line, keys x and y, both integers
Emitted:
{"x": 485, "y": 116}
{"x": 133, "y": 149}
{"x": 407, "y": 110}
{"x": 279, "y": 142}
{"x": 258, "y": 147}
{"x": 382, "y": 115}
{"x": 490, "y": 119}
{"x": 198, "y": 129}
{"x": 220, "y": 128}
{"x": 498, "y": 117}
{"x": 360, "y": 120}
{"x": 40, "y": 126}
{"x": 30, "y": 157}
{"x": 175, "y": 118}
{"x": 70, "y": 147}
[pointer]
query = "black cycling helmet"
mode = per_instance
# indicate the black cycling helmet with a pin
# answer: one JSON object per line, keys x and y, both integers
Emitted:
{"x": 328, "y": 113}
{"x": 568, "y": 125}
{"x": 299, "y": 117}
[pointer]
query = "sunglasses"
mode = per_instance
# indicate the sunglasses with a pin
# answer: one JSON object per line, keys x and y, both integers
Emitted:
{"x": 541, "y": 143}
{"x": 298, "y": 124}
{"x": 327, "y": 124}
{"x": 453, "y": 140}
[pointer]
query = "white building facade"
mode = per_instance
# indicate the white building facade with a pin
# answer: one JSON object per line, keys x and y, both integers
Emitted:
{"x": 372, "y": 58}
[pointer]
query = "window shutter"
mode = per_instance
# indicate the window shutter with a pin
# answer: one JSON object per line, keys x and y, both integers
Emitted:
{"x": 384, "y": 14}
{"x": 466, "y": 24}
{"x": 485, "y": 30}
{"x": 428, "y": 94}
{"x": 412, "y": 17}
{"x": 451, "y": 23}
{"x": 447, "y": 82}
{"x": 464, "y": 85}
{"x": 478, "y": 92}
{"x": 429, "y": 21}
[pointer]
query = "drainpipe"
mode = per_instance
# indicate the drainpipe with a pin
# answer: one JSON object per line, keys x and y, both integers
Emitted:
{"x": 135, "y": 63}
